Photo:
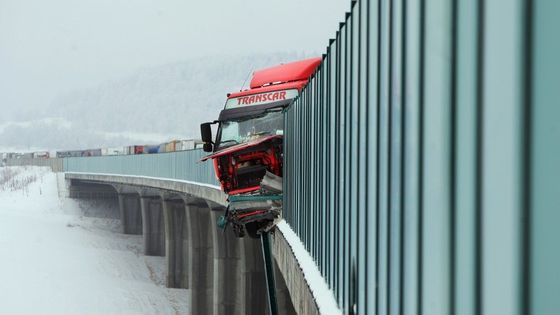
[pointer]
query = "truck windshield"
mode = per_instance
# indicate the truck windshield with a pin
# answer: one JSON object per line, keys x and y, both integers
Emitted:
{"x": 250, "y": 128}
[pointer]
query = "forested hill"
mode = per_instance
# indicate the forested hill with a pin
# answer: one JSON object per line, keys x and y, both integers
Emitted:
{"x": 154, "y": 104}
{"x": 173, "y": 99}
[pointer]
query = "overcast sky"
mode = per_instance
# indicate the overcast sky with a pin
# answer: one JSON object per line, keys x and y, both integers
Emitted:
{"x": 51, "y": 47}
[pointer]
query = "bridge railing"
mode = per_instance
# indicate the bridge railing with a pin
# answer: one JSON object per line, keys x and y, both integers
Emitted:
{"x": 56, "y": 164}
{"x": 183, "y": 165}
{"x": 421, "y": 161}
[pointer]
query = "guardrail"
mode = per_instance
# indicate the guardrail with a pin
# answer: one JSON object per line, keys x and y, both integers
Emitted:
{"x": 421, "y": 161}
{"x": 55, "y": 164}
{"x": 182, "y": 165}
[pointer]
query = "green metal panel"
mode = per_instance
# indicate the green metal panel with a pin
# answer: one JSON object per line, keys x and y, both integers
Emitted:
{"x": 361, "y": 183}
{"x": 372, "y": 135}
{"x": 545, "y": 160}
{"x": 465, "y": 154}
{"x": 383, "y": 156}
{"x": 501, "y": 186}
{"x": 411, "y": 153}
{"x": 436, "y": 163}
{"x": 331, "y": 68}
{"x": 395, "y": 157}
{"x": 433, "y": 155}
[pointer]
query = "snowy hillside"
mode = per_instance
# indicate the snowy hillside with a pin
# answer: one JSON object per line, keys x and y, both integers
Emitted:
{"x": 153, "y": 105}
{"x": 64, "y": 257}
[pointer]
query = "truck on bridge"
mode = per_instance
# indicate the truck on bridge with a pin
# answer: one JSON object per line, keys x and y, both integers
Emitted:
{"x": 247, "y": 151}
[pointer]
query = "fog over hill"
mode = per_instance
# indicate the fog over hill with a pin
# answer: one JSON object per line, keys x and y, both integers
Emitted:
{"x": 153, "y": 105}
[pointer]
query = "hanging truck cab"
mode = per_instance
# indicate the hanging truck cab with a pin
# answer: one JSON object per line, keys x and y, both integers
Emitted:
{"x": 248, "y": 145}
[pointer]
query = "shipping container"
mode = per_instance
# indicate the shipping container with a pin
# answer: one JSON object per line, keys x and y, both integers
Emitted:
{"x": 41, "y": 155}
{"x": 171, "y": 146}
{"x": 183, "y": 145}
{"x": 92, "y": 152}
{"x": 113, "y": 151}
{"x": 150, "y": 149}
{"x": 188, "y": 144}
{"x": 78, "y": 153}
{"x": 198, "y": 144}
{"x": 138, "y": 149}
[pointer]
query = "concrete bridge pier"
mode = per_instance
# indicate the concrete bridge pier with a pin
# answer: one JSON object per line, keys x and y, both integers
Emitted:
{"x": 229, "y": 291}
{"x": 201, "y": 257}
{"x": 153, "y": 229}
{"x": 253, "y": 279}
{"x": 131, "y": 216}
{"x": 176, "y": 242}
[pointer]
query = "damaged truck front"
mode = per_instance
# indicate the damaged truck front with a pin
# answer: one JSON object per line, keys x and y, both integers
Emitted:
{"x": 247, "y": 151}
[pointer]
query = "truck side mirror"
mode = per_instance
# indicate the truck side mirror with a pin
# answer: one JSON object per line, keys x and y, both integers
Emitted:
{"x": 207, "y": 147}
{"x": 206, "y": 136}
{"x": 206, "y": 132}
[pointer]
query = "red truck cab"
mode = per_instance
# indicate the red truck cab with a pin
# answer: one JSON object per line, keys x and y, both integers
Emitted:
{"x": 251, "y": 126}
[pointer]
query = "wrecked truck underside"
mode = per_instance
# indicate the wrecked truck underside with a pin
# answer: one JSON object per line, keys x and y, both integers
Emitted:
{"x": 250, "y": 173}
{"x": 254, "y": 214}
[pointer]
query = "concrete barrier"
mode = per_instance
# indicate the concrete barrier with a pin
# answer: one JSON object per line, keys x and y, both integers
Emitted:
{"x": 293, "y": 283}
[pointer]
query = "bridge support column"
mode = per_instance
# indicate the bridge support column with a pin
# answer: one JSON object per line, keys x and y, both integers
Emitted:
{"x": 176, "y": 243}
{"x": 253, "y": 278}
{"x": 200, "y": 258}
{"x": 229, "y": 289}
{"x": 153, "y": 226}
{"x": 283, "y": 298}
{"x": 131, "y": 217}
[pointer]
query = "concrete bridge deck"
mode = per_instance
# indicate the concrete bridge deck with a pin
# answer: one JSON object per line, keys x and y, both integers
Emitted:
{"x": 176, "y": 218}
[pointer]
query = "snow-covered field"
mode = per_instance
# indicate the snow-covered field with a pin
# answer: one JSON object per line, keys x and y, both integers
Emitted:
{"x": 61, "y": 256}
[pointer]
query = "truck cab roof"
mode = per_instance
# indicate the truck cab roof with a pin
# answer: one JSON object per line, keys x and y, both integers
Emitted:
{"x": 293, "y": 75}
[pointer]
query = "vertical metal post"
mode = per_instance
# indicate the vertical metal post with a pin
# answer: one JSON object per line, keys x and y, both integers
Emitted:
{"x": 269, "y": 271}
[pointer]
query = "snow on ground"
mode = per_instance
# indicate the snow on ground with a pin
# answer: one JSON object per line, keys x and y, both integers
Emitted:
{"x": 323, "y": 295}
{"x": 61, "y": 256}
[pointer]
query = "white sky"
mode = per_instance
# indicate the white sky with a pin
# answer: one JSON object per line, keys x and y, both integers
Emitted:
{"x": 51, "y": 47}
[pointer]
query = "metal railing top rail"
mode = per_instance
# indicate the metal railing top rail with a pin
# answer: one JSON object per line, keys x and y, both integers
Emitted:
{"x": 184, "y": 165}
